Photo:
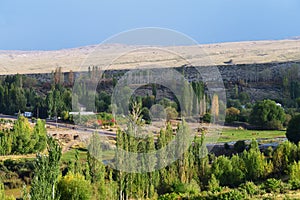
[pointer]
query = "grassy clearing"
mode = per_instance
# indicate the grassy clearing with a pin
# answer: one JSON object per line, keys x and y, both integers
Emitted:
{"x": 70, "y": 155}
{"x": 230, "y": 135}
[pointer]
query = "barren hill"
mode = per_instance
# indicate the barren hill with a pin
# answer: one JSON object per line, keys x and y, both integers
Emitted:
{"x": 77, "y": 59}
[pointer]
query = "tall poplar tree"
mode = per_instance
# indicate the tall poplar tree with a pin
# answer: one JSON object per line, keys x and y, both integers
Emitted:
{"x": 46, "y": 173}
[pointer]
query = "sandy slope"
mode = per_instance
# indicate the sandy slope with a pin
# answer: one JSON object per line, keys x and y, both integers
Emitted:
{"x": 123, "y": 56}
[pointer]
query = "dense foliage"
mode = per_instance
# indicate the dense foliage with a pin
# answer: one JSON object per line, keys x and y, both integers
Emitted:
{"x": 23, "y": 138}
{"x": 245, "y": 174}
{"x": 267, "y": 115}
{"x": 293, "y": 130}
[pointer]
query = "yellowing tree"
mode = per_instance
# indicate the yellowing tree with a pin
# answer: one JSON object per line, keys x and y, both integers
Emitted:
{"x": 215, "y": 106}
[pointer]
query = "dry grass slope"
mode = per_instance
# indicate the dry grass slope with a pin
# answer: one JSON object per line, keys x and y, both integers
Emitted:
{"x": 78, "y": 59}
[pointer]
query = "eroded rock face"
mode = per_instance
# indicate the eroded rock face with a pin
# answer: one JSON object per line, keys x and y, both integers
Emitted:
{"x": 260, "y": 81}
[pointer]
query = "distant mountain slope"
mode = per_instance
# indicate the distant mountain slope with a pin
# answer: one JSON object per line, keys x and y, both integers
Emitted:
{"x": 78, "y": 59}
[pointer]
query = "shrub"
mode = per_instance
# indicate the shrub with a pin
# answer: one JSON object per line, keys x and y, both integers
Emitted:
{"x": 274, "y": 125}
{"x": 171, "y": 113}
{"x": 232, "y": 114}
{"x": 189, "y": 189}
{"x": 294, "y": 174}
{"x": 74, "y": 186}
{"x": 239, "y": 146}
{"x": 2, "y": 195}
{"x": 207, "y": 118}
{"x": 250, "y": 188}
{"x": 232, "y": 195}
{"x": 193, "y": 188}
{"x": 272, "y": 185}
{"x": 288, "y": 118}
{"x": 226, "y": 146}
{"x": 146, "y": 115}
{"x": 170, "y": 196}
{"x": 228, "y": 171}
{"x": 213, "y": 184}
{"x": 256, "y": 166}
{"x": 283, "y": 156}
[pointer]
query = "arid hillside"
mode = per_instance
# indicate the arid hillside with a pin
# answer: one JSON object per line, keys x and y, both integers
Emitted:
{"x": 118, "y": 56}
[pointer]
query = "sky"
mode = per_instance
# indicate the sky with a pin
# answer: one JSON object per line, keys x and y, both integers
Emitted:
{"x": 59, "y": 24}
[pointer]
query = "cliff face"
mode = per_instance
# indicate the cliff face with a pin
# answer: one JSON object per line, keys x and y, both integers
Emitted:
{"x": 261, "y": 81}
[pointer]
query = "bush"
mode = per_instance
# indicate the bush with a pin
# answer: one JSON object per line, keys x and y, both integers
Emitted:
{"x": 170, "y": 196}
{"x": 250, "y": 188}
{"x": 275, "y": 125}
{"x": 214, "y": 184}
{"x": 244, "y": 97}
{"x": 226, "y": 146}
{"x": 171, "y": 113}
{"x": 232, "y": 114}
{"x": 232, "y": 194}
{"x": 294, "y": 174}
{"x": 255, "y": 163}
{"x": 193, "y": 188}
{"x": 146, "y": 115}
{"x": 74, "y": 186}
{"x": 105, "y": 119}
{"x": 239, "y": 146}
{"x": 228, "y": 171}
{"x": 283, "y": 156}
{"x": 272, "y": 185}
{"x": 288, "y": 118}
{"x": 207, "y": 118}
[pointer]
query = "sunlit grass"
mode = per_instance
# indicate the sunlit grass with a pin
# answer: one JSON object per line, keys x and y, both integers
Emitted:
{"x": 230, "y": 135}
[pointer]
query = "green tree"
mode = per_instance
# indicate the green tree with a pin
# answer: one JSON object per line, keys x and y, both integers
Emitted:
{"x": 96, "y": 167}
{"x": 232, "y": 114}
{"x": 284, "y": 155}
{"x": 267, "y": 115}
{"x": 202, "y": 166}
{"x": 215, "y": 111}
{"x": 182, "y": 141}
{"x": 244, "y": 97}
{"x": 293, "y": 130}
{"x": 294, "y": 175}
{"x": 214, "y": 184}
{"x": 228, "y": 171}
{"x": 50, "y": 103}
{"x": 40, "y": 135}
{"x": 6, "y": 140}
{"x": 46, "y": 173}
{"x": 74, "y": 187}
{"x": 171, "y": 113}
{"x": 22, "y": 141}
{"x": 256, "y": 166}
{"x": 239, "y": 146}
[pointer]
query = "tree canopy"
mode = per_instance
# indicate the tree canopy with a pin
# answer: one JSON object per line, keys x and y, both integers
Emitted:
{"x": 267, "y": 115}
{"x": 293, "y": 130}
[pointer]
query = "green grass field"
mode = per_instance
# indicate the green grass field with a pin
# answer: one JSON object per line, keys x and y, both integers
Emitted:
{"x": 70, "y": 155}
{"x": 230, "y": 135}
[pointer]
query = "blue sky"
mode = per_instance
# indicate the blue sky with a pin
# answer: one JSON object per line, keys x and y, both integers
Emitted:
{"x": 58, "y": 24}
